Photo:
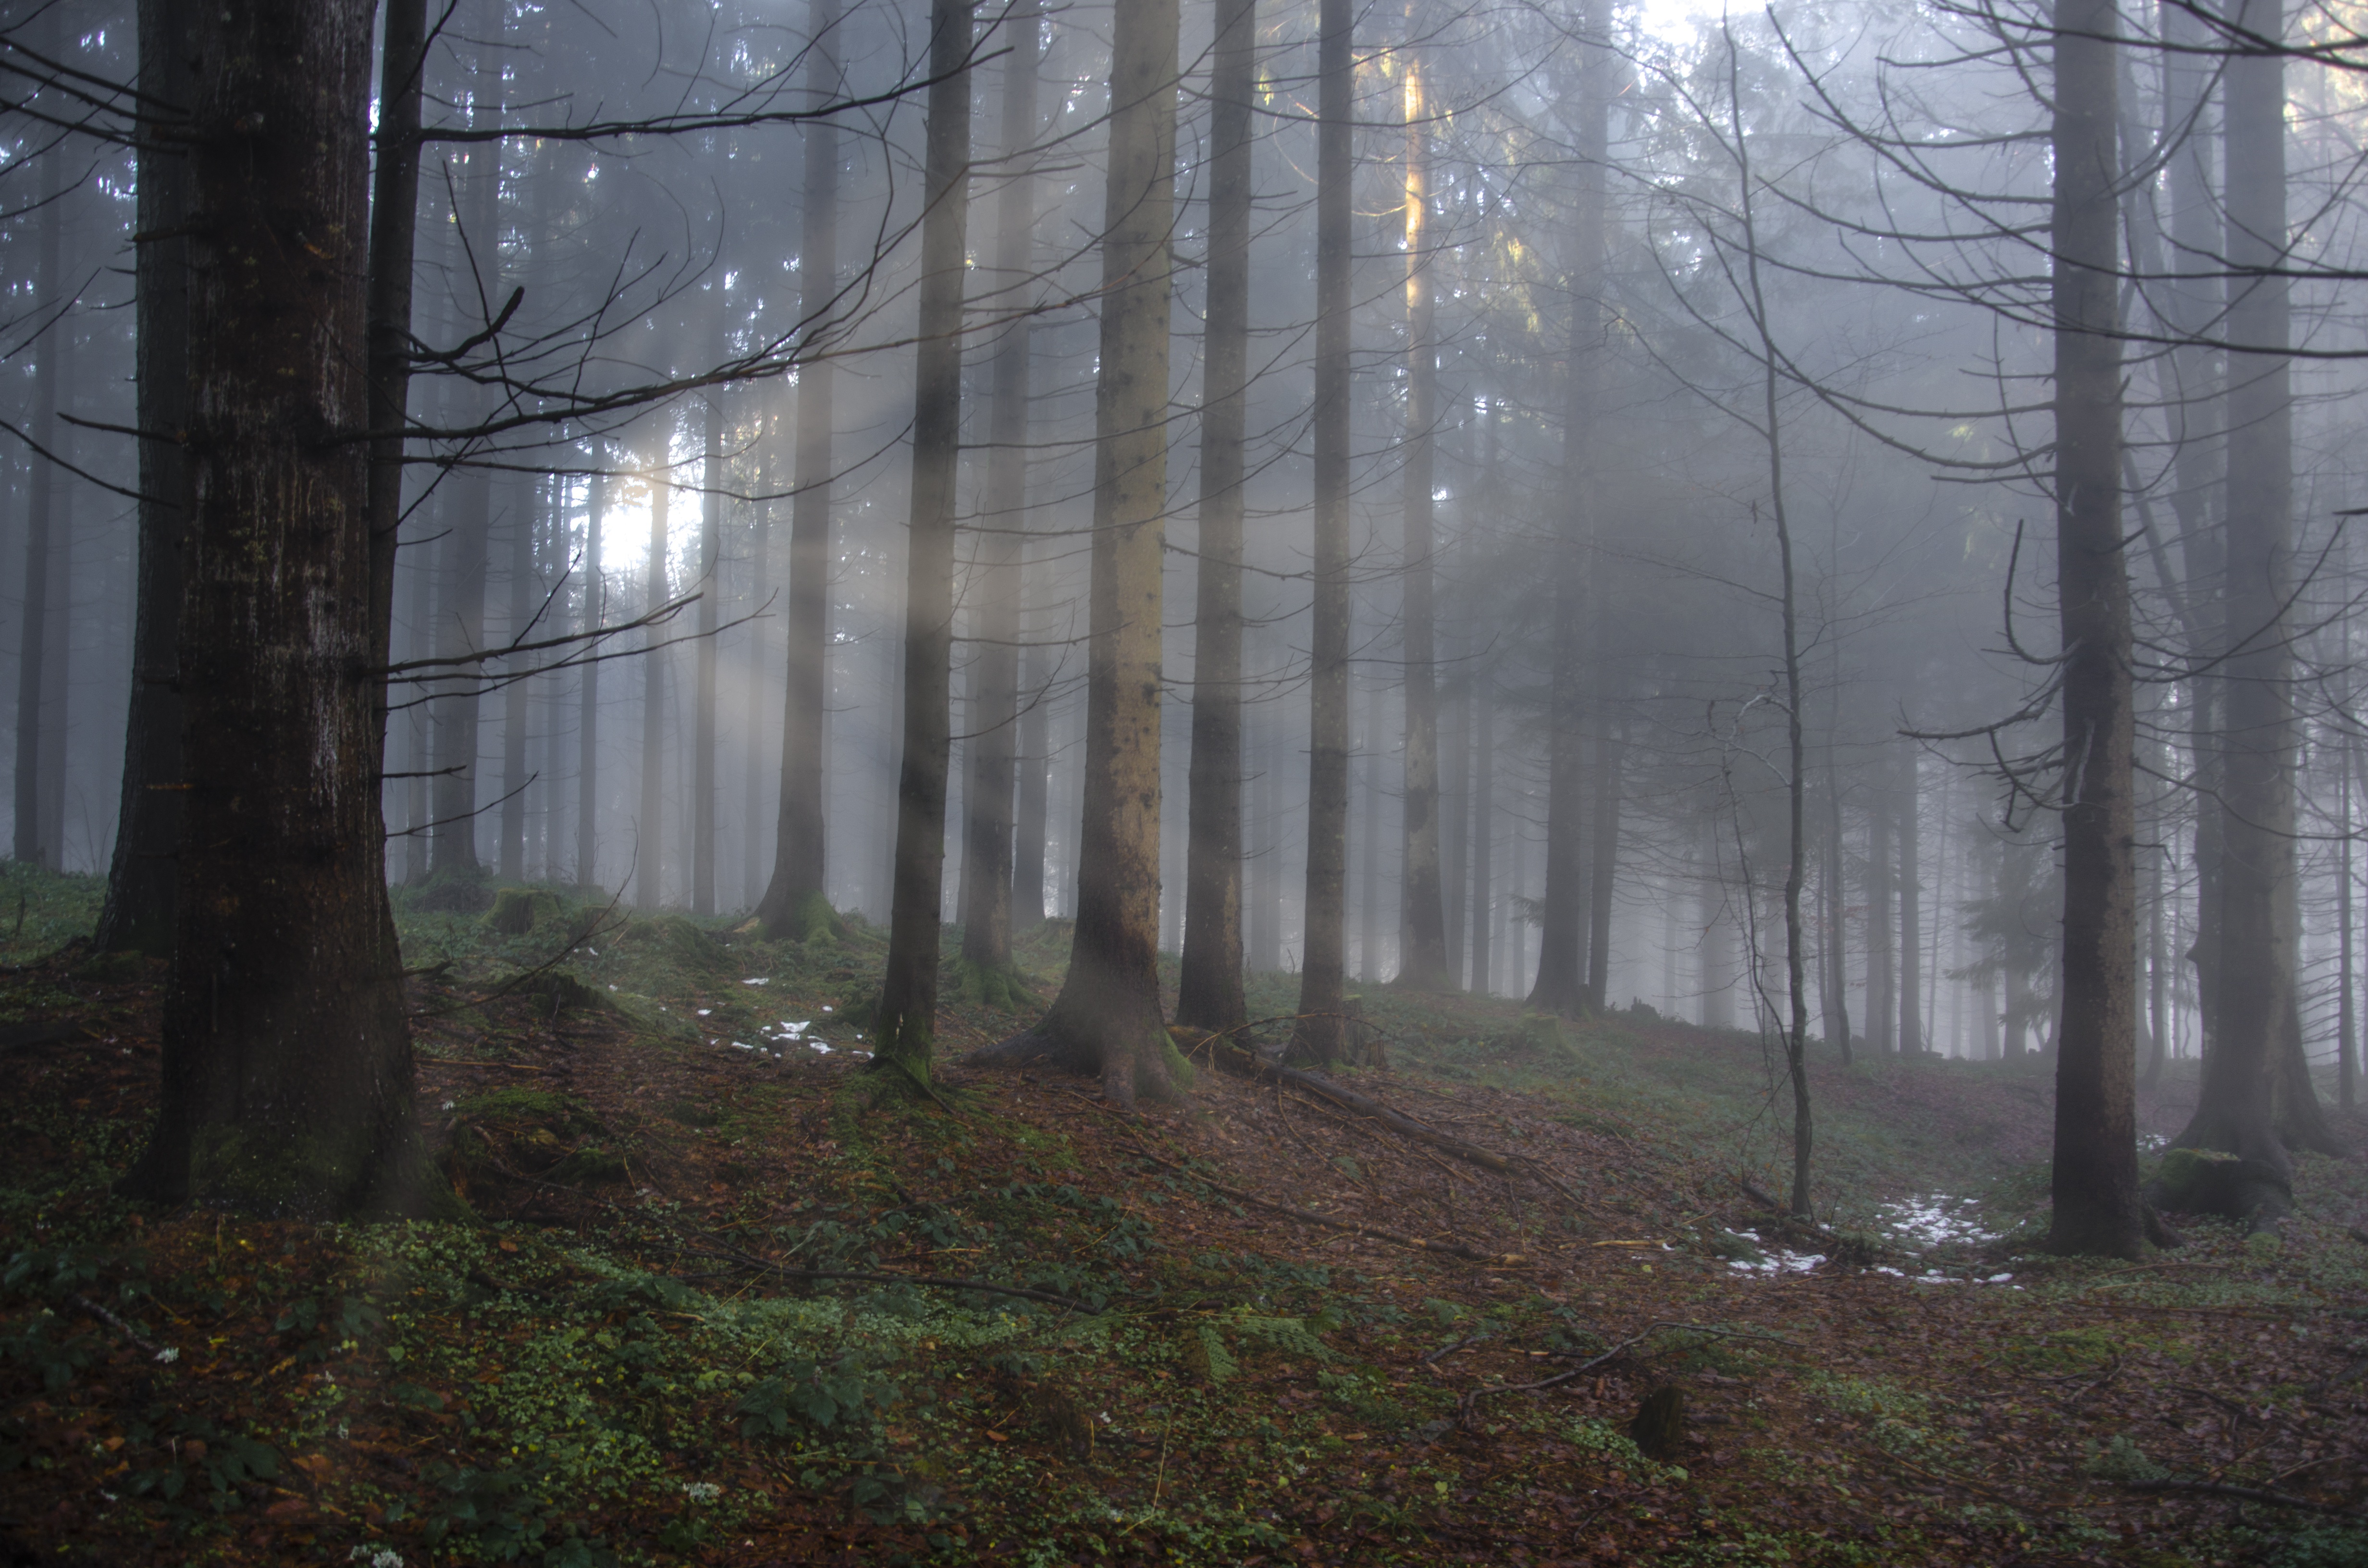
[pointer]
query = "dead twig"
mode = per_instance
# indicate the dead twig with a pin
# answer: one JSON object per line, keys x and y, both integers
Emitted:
{"x": 2244, "y": 1494}
{"x": 84, "y": 1304}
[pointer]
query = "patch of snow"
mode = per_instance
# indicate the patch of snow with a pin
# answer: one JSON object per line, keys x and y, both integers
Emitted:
{"x": 763, "y": 979}
{"x": 1933, "y": 1219}
{"x": 1781, "y": 1262}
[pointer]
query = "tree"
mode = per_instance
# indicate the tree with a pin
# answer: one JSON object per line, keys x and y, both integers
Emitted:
{"x": 795, "y": 904}
{"x": 2097, "y": 1208}
{"x": 288, "y": 1077}
{"x": 1318, "y": 1034}
{"x": 905, "y": 1020}
{"x": 2257, "y": 1097}
{"x": 1422, "y": 920}
{"x": 1107, "y": 1018}
{"x": 992, "y": 752}
{"x": 1209, "y": 986}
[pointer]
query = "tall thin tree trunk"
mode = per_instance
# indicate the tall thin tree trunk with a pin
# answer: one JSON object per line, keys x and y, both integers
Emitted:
{"x": 1367, "y": 760}
{"x": 2347, "y": 1026}
{"x": 710, "y": 596}
{"x": 1209, "y": 988}
{"x": 2096, "y": 1206}
{"x": 987, "y": 798}
{"x": 1107, "y": 1017}
{"x": 1323, "y": 973}
{"x": 1882, "y": 979}
{"x": 1484, "y": 830}
{"x": 32, "y": 847}
{"x": 137, "y": 915}
{"x": 1911, "y": 909}
{"x": 796, "y": 900}
{"x": 649, "y": 827}
{"x": 907, "y": 1014}
{"x": 288, "y": 1079}
{"x": 1837, "y": 889}
{"x": 1562, "y": 980}
{"x": 1603, "y": 860}
{"x": 524, "y": 508}
{"x": 588, "y": 721}
{"x": 1422, "y": 928}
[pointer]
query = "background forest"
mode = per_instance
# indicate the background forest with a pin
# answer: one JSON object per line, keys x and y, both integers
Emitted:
{"x": 1686, "y": 564}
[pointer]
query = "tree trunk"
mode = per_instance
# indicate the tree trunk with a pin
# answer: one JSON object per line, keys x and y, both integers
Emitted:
{"x": 2346, "y": 1065}
{"x": 987, "y": 798}
{"x": 1209, "y": 988}
{"x": 1107, "y": 1017}
{"x": 1603, "y": 862}
{"x": 288, "y": 1079}
{"x": 1484, "y": 830}
{"x": 35, "y": 845}
{"x": 1365, "y": 757}
{"x": 137, "y": 915}
{"x": 1318, "y": 1035}
{"x": 524, "y": 509}
{"x": 1562, "y": 982}
{"x": 1911, "y": 912}
{"x": 1836, "y": 890}
{"x": 649, "y": 826}
{"x": 2257, "y": 1099}
{"x": 1422, "y": 940}
{"x": 587, "y": 723}
{"x": 907, "y": 1014}
{"x": 710, "y": 596}
{"x": 796, "y": 902}
{"x": 1881, "y": 988}
{"x": 2097, "y": 1208}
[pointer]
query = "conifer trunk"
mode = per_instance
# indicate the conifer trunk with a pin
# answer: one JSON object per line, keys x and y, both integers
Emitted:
{"x": 799, "y": 862}
{"x": 2097, "y": 1208}
{"x": 588, "y": 721}
{"x": 1318, "y": 1035}
{"x": 1107, "y": 1017}
{"x": 288, "y": 1077}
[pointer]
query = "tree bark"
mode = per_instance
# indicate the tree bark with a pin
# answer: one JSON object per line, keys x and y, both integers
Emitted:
{"x": 2097, "y": 1208}
{"x": 1422, "y": 922}
{"x": 587, "y": 723}
{"x": 137, "y": 915}
{"x": 649, "y": 826}
{"x": 1911, "y": 911}
{"x": 36, "y": 842}
{"x": 1561, "y": 984}
{"x": 1836, "y": 899}
{"x": 1318, "y": 1035}
{"x": 907, "y": 1015}
{"x": 710, "y": 596}
{"x": 1209, "y": 988}
{"x": 288, "y": 1079}
{"x": 1107, "y": 1017}
{"x": 993, "y": 752}
{"x": 1603, "y": 862}
{"x": 796, "y": 904}
{"x": 525, "y": 514}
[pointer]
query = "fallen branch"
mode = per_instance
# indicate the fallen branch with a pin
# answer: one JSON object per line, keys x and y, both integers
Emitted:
{"x": 2243, "y": 1493}
{"x": 156, "y": 1352}
{"x": 1464, "y": 1406}
{"x": 1248, "y": 1063}
{"x": 1308, "y": 1217}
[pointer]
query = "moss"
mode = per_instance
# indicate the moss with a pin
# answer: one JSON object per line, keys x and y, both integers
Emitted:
{"x": 517, "y": 911}
{"x": 997, "y": 986}
{"x": 1180, "y": 1071}
{"x": 273, "y": 1171}
{"x": 591, "y": 1165}
{"x": 453, "y": 891}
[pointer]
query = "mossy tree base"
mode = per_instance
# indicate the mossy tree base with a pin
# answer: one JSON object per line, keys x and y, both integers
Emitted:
{"x": 998, "y": 987}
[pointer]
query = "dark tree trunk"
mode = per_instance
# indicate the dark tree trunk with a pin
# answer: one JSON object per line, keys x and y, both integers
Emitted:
{"x": 1033, "y": 804}
{"x": 988, "y": 803}
{"x": 2097, "y": 1208}
{"x": 137, "y": 915}
{"x": 1881, "y": 990}
{"x": 1561, "y": 984}
{"x": 587, "y": 723}
{"x": 1209, "y": 988}
{"x": 1422, "y": 939}
{"x": 1318, "y": 1035}
{"x": 907, "y": 1015}
{"x": 1107, "y": 1017}
{"x": 288, "y": 1079}
{"x": 1365, "y": 755}
{"x": 795, "y": 903}
{"x": 36, "y": 843}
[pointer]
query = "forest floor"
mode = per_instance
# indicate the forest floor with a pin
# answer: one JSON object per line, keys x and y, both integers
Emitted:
{"x": 713, "y": 1310}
